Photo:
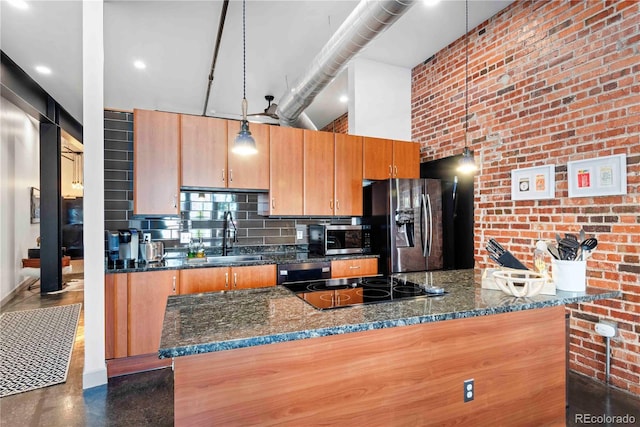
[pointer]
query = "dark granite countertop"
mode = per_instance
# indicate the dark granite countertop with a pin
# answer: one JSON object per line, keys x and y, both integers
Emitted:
{"x": 267, "y": 258}
{"x": 209, "y": 322}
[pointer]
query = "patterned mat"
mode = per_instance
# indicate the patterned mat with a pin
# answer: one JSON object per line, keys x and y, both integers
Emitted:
{"x": 35, "y": 347}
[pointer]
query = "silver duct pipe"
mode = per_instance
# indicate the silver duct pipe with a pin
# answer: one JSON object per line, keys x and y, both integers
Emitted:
{"x": 368, "y": 19}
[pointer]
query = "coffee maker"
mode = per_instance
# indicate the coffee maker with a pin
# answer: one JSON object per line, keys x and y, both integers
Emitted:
{"x": 128, "y": 247}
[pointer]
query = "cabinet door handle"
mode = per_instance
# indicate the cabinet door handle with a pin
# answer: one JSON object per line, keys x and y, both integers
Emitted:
{"x": 230, "y": 175}
{"x": 174, "y": 284}
{"x": 330, "y": 203}
{"x": 337, "y": 204}
{"x": 226, "y": 280}
{"x": 390, "y": 170}
{"x": 222, "y": 175}
{"x": 352, "y": 267}
{"x": 337, "y": 299}
{"x": 175, "y": 200}
{"x": 235, "y": 280}
{"x": 273, "y": 203}
{"x": 395, "y": 173}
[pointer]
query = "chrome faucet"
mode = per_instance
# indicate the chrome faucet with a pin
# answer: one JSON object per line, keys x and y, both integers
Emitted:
{"x": 229, "y": 234}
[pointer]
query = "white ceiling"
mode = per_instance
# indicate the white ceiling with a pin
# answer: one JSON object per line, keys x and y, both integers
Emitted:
{"x": 176, "y": 40}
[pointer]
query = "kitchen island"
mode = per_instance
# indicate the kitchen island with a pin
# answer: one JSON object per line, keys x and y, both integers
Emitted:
{"x": 266, "y": 357}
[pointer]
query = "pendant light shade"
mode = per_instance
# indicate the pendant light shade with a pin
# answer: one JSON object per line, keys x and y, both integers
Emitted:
{"x": 467, "y": 163}
{"x": 244, "y": 143}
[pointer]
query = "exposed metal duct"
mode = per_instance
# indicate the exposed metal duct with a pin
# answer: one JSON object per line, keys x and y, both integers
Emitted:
{"x": 369, "y": 19}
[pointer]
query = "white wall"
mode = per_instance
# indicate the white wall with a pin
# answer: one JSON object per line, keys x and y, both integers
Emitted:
{"x": 19, "y": 171}
{"x": 379, "y": 100}
{"x": 95, "y": 370}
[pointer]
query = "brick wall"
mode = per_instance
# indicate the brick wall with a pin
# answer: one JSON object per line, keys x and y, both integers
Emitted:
{"x": 339, "y": 125}
{"x": 550, "y": 82}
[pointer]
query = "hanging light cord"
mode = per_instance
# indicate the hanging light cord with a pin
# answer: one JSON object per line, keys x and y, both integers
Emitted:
{"x": 466, "y": 73}
{"x": 244, "y": 53}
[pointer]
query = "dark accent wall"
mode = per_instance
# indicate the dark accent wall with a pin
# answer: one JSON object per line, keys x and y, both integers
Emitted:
{"x": 201, "y": 211}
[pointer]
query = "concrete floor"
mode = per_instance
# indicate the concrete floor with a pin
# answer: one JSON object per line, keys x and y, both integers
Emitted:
{"x": 146, "y": 399}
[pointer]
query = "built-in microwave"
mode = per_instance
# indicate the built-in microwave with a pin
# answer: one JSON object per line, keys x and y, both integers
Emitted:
{"x": 339, "y": 239}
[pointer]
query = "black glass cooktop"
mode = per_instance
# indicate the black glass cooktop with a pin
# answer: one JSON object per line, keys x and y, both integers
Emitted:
{"x": 337, "y": 293}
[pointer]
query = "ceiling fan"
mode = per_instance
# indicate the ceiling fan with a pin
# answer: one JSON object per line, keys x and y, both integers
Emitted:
{"x": 270, "y": 111}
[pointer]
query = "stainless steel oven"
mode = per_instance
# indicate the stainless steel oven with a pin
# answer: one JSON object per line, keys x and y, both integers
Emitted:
{"x": 339, "y": 239}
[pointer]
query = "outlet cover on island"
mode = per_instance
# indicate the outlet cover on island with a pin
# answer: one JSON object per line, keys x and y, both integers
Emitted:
{"x": 185, "y": 237}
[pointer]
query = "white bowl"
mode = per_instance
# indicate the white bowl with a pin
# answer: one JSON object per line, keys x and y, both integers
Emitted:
{"x": 519, "y": 283}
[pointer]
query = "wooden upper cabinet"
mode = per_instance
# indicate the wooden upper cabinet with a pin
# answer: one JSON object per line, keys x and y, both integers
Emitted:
{"x": 385, "y": 158}
{"x": 406, "y": 159}
{"x": 156, "y": 163}
{"x": 348, "y": 175}
{"x": 249, "y": 171}
{"x": 204, "y": 151}
{"x": 148, "y": 293}
{"x": 377, "y": 160}
{"x": 286, "y": 175}
{"x": 318, "y": 173}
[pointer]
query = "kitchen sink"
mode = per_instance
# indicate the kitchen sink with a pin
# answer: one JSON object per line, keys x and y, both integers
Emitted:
{"x": 233, "y": 258}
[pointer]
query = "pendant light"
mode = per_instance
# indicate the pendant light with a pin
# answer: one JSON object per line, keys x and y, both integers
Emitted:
{"x": 244, "y": 142}
{"x": 467, "y": 163}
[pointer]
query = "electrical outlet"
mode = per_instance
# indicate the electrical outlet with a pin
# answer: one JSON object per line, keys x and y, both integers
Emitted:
{"x": 146, "y": 237}
{"x": 469, "y": 390}
{"x": 185, "y": 237}
{"x": 299, "y": 234}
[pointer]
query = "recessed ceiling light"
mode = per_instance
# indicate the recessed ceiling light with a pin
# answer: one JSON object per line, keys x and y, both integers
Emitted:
{"x": 430, "y": 3}
{"x": 18, "y": 4}
{"x": 43, "y": 69}
{"x": 344, "y": 98}
{"x": 139, "y": 64}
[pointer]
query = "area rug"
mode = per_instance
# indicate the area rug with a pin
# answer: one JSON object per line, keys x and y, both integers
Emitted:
{"x": 35, "y": 347}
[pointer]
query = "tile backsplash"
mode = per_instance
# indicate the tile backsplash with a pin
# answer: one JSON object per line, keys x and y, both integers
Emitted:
{"x": 202, "y": 212}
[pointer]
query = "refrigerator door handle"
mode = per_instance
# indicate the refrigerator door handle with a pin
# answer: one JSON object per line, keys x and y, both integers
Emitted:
{"x": 423, "y": 225}
{"x": 430, "y": 225}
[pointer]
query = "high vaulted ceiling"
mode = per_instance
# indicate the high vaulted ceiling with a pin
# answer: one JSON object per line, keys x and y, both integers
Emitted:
{"x": 176, "y": 40}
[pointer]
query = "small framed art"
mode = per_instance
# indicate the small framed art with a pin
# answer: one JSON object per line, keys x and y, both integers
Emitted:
{"x": 535, "y": 183}
{"x": 601, "y": 176}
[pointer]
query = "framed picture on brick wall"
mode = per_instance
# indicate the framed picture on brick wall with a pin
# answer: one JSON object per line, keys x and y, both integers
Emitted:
{"x": 601, "y": 176}
{"x": 536, "y": 183}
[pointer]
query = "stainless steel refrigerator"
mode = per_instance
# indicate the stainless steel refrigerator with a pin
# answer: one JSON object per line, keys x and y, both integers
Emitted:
{"x": 406, "y": 220}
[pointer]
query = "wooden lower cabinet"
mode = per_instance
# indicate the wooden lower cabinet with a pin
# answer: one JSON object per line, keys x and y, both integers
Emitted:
{"x": 254, "y": 276}
{"x": 354, "y": 267}
{"x": 116, "y": 315}
{"x": 135, "y": 305}
{"x": 198, "y": 280}
{"x": 148, "y": 292}
{"x": 226, "y": 278}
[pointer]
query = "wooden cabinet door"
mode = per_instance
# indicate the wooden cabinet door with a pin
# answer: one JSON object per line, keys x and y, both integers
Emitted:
{"x": 204, "y": 151}
{"x": 115, "y": 315}
{"x": 156, "y": 163}
{"x": 354, "y": 267}
{"x": 148, "y": 294}
{"x": 377, "y": 160}
{"x": 348, "y": 175}
{"x": 318, "y": 173}
{"x": 406, "y": 159}
{"x": 249, "y": 171}
{"x": 254, "y": 276}
{"x": 285, "y": 170}
{"x": 198, "y": 280}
